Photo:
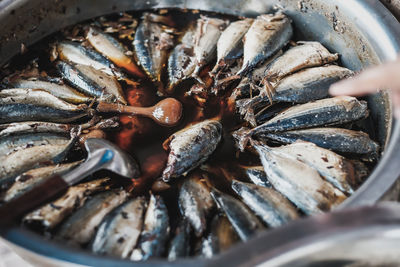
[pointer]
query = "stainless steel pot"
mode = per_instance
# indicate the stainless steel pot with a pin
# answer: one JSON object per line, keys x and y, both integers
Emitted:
{"x": 362, "y": 31}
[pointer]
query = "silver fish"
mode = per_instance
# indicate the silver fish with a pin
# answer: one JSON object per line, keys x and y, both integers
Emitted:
{"x": 152, "y": 43}
{"x": 119, "y": 232}
{"x": 190, "y": 147}
{"x": 52, "y": 214}
{"x": 209, "y": 246}
{"x": 256, "y": 175}
{"x": 180, "y": 243}
{"x": 223, "y": 232}
{"x": 22, "y": 160}
{"x": 329, "y": 111}
{"x": 91, "y": 81}
{"x": 11, "y": 144}
{"x": 245, "y": 223}
{"x": 54, "y": 128}
{"x": 61, "y": 91}
{"x": 113, "y": 50}
{"x": 33, "y": 177}
{"x": 81, "y": 226}
{"x": 155, "y": 232}
{"x": 267, "y": 35}
{"x": 333, "y": 167}
{"x": 297, "y": 181}
{"x": 195, "y": 203}
{"x": 269, "y": 205}
{"x": 29, "y": 112}
{"x": 230, "y": 43}
{"x": 303, "y": 55}
{"x": 76, "y": 53}
{"x": 208, "y": 31}
{"x": 181, "y": 62}
{"x": 302, "y": 87}
{"x": 335, "y": 139}
{"x": 35, "y": 97}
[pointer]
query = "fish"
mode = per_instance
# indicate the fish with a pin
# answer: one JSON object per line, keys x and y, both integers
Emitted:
{"x": 36, "y": 97}
{"x": 230, "y": 43}
{"x": 256, "y": 175}
{"x": 223, "y": 232}
{"x": 301, "y": 87}
{"x": 181, "y": 60}
{"x": 80, "y": 227}
{"x": 334, "y": 168}
{"x": 31, "y": 178}
{"x": 61, "y": 91}
{"x": 49, "y": 216}
{"x": 268, "y": 204}
{"x": 119, "y": 232}
{"x": 268, "y": 34}
{"x": 303, "y": 55}
{"x": 13, "y": 143}
{"x": 298, "y": 182}
{"x": 268, "y": 113}
{"x": 245, "y": 223}
{"x": 180, "y": 244}
{"x": 76, "y": 53}
{"x": 155, "y": 233}
{"x": 208, "y": 31}
{"x": 110, "y": 48}
{"x": 195, "y": 202}
{"x": 339, "y": 140}
{"x": 209, "y": 246}
{"x": 329, "y": 111}
{"x": 17, "y": 128}
{"x": 152, "y": 43}
{"x": 91, "y": 82}
{"x": 190, "y": 147}
{"x": 10, "y": 113}
{"x": 14, "y": 164}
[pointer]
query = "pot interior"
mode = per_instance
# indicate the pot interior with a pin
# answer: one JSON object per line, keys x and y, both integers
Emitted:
{"x": 332, "y": 24}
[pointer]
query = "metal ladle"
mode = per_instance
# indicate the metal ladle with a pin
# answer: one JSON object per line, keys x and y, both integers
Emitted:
{"x": 102, "y": 155}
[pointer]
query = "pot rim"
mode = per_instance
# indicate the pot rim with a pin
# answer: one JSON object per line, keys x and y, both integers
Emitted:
{"x": 369, "y": 193}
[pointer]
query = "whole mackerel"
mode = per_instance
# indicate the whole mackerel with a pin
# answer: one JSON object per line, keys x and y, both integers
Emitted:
{"x": 195, "y": 203}
{"x": 333, "y": 167}
{"x": 299, "y": 182}
{"x": 269, "y": 205}
{"x": 336, "y": 139}
{"x": 230, "y": 43}
{"x": 52, "y": 214}
{"x": 268, "y": 34}
{"x": 120, "y": 230}
{"x": 82, "y": 225}
{"x": 303, "y": 55}
{"x": 245, "y": 223}
{"x": 29, "y": 112}
{"x": 91, "y": 81}
{"x": 61, "y": 91}
{"x": 302, "y": 87}
{"x": 155, "y": 233}
{"x": 191, "y": 147}
{"x": 208, "y": 31}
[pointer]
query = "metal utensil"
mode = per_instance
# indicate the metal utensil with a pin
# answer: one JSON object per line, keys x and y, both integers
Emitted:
{"x": 102, "y": 155}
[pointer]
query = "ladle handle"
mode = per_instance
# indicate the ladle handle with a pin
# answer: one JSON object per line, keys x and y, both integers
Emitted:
{"x": 50, "y": 189}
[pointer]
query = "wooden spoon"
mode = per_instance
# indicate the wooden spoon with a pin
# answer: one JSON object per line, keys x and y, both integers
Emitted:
{"x": 167, "y": 112}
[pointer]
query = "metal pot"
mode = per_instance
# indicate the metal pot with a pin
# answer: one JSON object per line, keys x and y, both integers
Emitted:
{"x": 362, "y": 31}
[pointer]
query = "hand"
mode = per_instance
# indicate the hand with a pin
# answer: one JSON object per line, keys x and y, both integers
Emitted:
{"x": 386, "y": 76}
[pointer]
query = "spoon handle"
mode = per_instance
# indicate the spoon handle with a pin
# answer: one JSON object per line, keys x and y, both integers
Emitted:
{"x": 114, "y": 107}
{"x": 13, "y": 210}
